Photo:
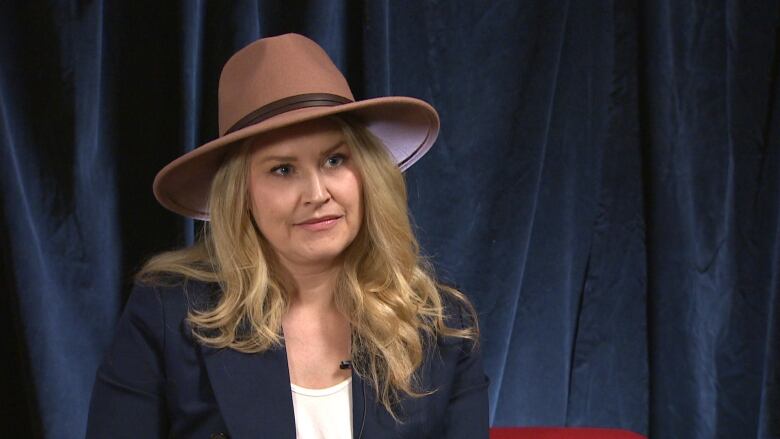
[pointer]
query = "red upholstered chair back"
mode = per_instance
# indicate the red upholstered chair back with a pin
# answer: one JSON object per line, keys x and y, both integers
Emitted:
{"x": 561, "y": 433}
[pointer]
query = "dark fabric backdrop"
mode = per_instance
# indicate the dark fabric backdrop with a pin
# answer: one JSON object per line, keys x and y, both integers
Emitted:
{"x": 605, "y": 188}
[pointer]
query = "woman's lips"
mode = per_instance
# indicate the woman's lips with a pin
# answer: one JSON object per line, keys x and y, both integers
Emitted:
{"x": 319, "y": 224}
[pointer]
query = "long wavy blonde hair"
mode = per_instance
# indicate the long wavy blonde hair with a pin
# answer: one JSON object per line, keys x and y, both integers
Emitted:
{"x": 385, "y": 289}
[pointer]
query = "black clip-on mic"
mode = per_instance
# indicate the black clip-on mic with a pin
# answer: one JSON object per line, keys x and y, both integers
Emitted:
{"x": 345, "y": 364}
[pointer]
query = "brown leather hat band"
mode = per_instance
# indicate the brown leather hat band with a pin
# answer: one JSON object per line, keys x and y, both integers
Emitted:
{"x": 288, "y": 104}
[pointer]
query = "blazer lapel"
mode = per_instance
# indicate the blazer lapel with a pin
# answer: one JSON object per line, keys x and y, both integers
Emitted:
{"x": 358, "y": 406}
{"x": 253, "y": 392}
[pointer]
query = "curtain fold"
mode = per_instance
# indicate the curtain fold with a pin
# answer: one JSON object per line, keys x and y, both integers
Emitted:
{"x": 605, "y": 189}
{"x": 710, "y": 74}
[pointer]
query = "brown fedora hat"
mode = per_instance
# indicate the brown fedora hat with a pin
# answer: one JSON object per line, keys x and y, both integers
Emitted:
{"x": 277, "y": 82}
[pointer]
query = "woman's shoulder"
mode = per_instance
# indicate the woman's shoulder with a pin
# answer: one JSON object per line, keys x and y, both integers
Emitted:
{"x": 160, "y": 310}
{"x": 460, "y": 321}
{"x": 457, "y": 310}
{"x": 174, "y": 293}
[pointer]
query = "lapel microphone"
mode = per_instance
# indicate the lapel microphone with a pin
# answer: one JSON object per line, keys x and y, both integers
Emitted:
{"x": 345, "y": 364}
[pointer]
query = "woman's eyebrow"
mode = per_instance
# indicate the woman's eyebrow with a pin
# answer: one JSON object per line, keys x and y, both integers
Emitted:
{"x": 286, "y": 158}
{"x": 338, "y": 145}
{"x": 278, "y": 158}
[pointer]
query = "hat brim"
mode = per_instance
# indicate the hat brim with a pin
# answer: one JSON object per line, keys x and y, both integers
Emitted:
{"x": 407, "y": 127}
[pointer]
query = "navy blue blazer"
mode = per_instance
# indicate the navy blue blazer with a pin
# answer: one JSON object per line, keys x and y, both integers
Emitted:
{"x": 156, "y": 381}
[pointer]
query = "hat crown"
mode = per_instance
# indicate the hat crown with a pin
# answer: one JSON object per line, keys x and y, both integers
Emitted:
{"x": 254, "y": 78}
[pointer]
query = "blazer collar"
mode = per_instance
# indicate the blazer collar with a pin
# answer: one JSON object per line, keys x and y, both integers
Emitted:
{"x": 254, "y": 396}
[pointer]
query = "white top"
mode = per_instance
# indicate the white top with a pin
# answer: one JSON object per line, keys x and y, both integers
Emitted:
{"x": 323, "y": 413}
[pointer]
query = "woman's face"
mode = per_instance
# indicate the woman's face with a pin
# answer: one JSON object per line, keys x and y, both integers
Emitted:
{"x": 305, "y": 192}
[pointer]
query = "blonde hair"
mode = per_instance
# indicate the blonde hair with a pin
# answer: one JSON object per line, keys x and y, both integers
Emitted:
{"x": 385, "y": 289}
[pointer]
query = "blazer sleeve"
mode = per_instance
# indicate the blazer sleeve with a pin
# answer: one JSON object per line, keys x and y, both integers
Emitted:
{"x": 467, "y": 411}
{"x": 128, "y": 395}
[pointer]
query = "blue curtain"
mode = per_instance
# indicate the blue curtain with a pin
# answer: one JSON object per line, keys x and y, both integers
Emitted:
{"x": 606, "y": 189}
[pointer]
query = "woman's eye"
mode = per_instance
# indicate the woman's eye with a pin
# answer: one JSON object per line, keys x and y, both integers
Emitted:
{"x": 282, "y": 170}
{"x": 335, "y": 160}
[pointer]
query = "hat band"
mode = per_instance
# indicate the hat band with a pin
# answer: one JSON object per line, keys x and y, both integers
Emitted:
{"x": 288, "y": 104}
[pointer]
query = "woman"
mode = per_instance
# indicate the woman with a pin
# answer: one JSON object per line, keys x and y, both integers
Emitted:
{"x": 304, "y": 308}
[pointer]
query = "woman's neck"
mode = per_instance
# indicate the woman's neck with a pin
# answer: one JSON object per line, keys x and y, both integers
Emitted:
{"x": 315, "y": 286}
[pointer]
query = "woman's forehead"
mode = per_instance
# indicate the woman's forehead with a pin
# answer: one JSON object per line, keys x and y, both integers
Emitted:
{"x": 311, "y": 138}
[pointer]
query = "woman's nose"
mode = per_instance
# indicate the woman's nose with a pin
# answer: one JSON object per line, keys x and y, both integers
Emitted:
{"x": 315, "y": 192}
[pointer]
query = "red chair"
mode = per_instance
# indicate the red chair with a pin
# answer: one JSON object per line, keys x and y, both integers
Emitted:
{"x": 561, "y": 433}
